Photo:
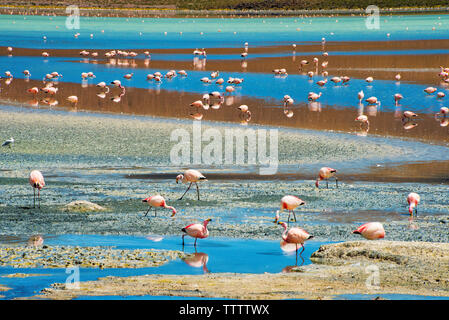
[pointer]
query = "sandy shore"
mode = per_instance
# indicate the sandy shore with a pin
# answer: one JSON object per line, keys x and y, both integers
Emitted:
{"x": 403, "y": 268}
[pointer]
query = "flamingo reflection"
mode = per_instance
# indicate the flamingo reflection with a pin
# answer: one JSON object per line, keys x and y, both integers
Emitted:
{"x": 197, "y": 260}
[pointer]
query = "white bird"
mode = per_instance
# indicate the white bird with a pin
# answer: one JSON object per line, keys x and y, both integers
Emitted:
{"x": 8, "y": 142}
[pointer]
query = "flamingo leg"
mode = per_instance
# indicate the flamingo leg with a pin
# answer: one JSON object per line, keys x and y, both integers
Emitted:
{"x": 327, "y": 183}
{"x": 288, "y": 220}
{"x": 34, "y": 198}
{"x": 195, "y": 242}
{"x": 38, "y": 198}
{"x": 197, "y": 190}
{"x": 296, "y": 261}
{"x": 336, "y": 182}
{"x": 147, "y": 211}
{"x": 302, "y": 249}
{"x": 186, "y": 191}
{"x": 294, "y": 215}
{"x": 155, "y": 212}
{"x": 183, "y": 240}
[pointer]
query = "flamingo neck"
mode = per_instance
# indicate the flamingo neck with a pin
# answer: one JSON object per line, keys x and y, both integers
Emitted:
{"x": 284, "y": 234}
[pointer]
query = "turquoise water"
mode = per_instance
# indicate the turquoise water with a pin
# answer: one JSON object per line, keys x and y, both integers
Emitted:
{"x": 120, "y": 33}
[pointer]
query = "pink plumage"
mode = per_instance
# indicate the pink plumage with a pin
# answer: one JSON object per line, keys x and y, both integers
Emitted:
{"x": 196, "y": 230}
{"x": 158, "y": 201}
{"x": 371, "y": 230}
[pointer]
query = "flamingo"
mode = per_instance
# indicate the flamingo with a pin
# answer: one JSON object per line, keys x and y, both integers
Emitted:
{"x": 321, "y": 82}
{"x": 289, "y": 203}
{"x": 294, "y": 235}
{"x": 336, "y": 80}
{"x": 373, "y": 100}
{"x": 33, "y": 90}
{"x": 128, "y": 76}
{"x": 73, "y": 100}
{"x": 324, "y": 174}
{"x": 444, "y": 111}
{"x": 196, "y": 230}
{"x": 314, "y": 96}
{"x": 413, "y": 201}
{"x": 37, "y": 182}
{"x": 361, "y": 95}
{"x": 157, "y": 201}
{"x": 398, "y": 77}
{"x": 197, "y": 104}
{"x": 408, "y": 115}
{"x": 441, "y": 95}
{"x": 117, "y": 83}
{"x": 230, "y": 89}
{"x": 192, "y": 176}
{"x": 363, "y": 119}
{"x": 371, "y": 230}
{"x": 397, "y": 98}
{"x": 430, "y": 90}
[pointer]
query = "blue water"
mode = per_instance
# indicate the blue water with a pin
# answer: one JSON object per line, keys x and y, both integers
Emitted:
{"x": 222, "y": 255}
{"x": 255, "y": 84}
{"x": 389, "y": 296}
{"x": 121, "y": 33}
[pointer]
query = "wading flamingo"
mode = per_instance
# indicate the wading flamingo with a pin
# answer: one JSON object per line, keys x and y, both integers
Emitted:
{"x": 155, "y": 202}
{"x": 289, "y": 203}
{"x": 324, "y": 174}
{"x": 196, "y": 230}
{"x": 371, "y": 230}
{"x": 413, "y": 201}
{"x": 295, "y": 236}
{"x": 397, "y": 98}
{"x": 192, "y": 176}
{"x": 360, "y": 95}
{"x": 37, "y": 182}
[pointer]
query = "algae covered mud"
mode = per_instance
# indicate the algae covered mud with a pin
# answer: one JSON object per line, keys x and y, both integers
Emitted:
{"x": 104, "y": 152}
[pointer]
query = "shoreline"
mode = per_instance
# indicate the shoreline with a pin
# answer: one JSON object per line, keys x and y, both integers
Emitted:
{"x": 174, "y": 12}
{"x": 403, "y": 268}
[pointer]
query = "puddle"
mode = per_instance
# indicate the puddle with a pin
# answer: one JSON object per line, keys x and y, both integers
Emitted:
{"x": 215, "y": 255}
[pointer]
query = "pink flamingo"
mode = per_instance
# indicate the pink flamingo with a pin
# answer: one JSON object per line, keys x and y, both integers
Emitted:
{"x": 192, "y": 176}
{"x": 363, "y": 119}
{"x": 360, "y": 95}
{"x": 314, "y": 96}
{"x": 196, "y": 230}
{"x": 157, "y": 201}
{"x": 371, "y": 231}
{"x": 413, "y": 200}
{"x": 289, "y": 203}
{"x": 397, "y": 98}
{"x": 430, "y": 90}
{"x": 37, "y": 182}
{"x": 294, "y": 235}
{"x": 324, "y": 174}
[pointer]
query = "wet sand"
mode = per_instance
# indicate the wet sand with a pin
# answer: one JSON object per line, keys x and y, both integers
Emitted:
{"x": 404, "y": 268}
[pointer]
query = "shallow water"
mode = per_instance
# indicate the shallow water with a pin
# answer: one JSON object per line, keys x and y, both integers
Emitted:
{"x": 215, "y": 255}
{"x": 20, "y": 31}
